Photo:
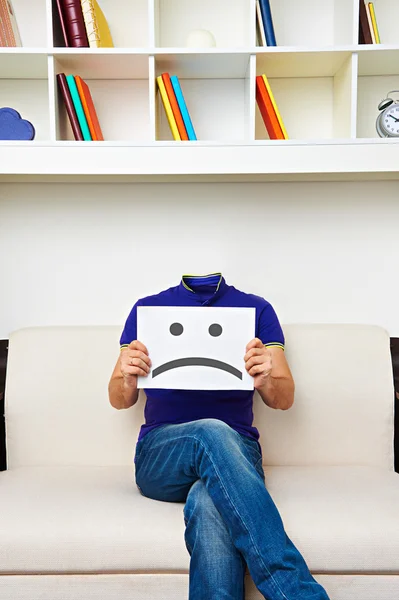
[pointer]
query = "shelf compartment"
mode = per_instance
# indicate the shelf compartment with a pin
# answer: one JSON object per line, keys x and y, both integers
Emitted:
{"x": 127, "y": 19}
{"x": 387, "y": 16}
{"x": 216, "y": 89}
{"x": 27, "y": 13}
{"x": 120, "y": 91}
{"x": 24, "y": 87}
{"x": 315, "y": 93}
{"x": 378, "y": 75}
{"x": 314, "y": 23}
{"x": 231, "y": 23}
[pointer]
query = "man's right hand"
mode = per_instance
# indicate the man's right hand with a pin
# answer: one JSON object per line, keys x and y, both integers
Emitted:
{"x": 134, "y": 361}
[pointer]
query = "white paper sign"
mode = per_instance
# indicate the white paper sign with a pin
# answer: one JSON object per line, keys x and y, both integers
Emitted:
{"x": 196, "y": 348}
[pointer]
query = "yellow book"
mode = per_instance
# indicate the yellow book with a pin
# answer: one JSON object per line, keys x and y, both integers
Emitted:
{"x": 276, "y": 110}
{"x": 374, "y": 22}
{"x": 97, "y": 29}
{"x": 168, "y": 109}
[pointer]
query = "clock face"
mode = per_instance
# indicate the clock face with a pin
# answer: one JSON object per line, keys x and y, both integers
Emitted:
{"x": 390, "y": 120}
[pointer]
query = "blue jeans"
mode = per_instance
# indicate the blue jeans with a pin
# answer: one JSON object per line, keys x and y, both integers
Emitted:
{"x": 231, "y": 519}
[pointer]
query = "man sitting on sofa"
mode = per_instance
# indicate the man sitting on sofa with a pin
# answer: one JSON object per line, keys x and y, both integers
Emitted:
{"x": 199, "y": 447}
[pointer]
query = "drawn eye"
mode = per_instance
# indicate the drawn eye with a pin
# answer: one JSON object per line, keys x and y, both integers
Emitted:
{"x": 176, "y": 329}
{"x": 215, "y": 330}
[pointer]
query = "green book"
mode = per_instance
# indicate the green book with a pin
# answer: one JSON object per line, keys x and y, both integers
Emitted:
{"x": 79, "y": 108}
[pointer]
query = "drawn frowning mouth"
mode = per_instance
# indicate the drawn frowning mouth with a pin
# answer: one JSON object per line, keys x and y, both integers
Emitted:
{"x": 197, "y": 362}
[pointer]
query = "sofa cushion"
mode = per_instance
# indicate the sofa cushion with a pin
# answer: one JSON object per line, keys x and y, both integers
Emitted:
{"x": 94, "y": 519}
{"x": 57, "y": 380}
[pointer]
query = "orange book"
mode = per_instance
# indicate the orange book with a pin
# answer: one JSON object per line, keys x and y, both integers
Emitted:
{"x": 267, "y": 111}
{"x": 89, "y": 110}
{"x": 175, "y": 107}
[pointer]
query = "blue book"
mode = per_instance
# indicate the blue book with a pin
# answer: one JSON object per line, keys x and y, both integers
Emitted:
{"x": 267, "y": 22}
{"x": 183, "y": 108}
{"x": 79, "y": 108}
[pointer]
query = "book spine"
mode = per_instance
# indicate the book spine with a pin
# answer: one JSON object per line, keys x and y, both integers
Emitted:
{"x": 63, "y": 24}
{"x": 183, "y": 108}
{"x": 75, "y": 26}
{"x": 5, "y": 18}
{"x": 374, "y": 22}
{"x": 267, "y": 110}
{"x": 90, "y": 19}
{"x": 175, "y": 106}
{"x": 168, "y": 109}
{"x": 68, "y": 102}
{"x": 261, "y": 27}
{"x": 79, "y": 108}
{"x": 370, "y": 22}
{"x": 275, "y": 107}
{"x": 268, "y": 22}
{"x": 364, "y": 23}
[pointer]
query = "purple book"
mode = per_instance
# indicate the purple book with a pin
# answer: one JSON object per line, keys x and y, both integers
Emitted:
{"x": 14, "y": 127}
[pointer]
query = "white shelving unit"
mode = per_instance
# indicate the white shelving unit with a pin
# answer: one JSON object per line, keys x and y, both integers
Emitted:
{"x": 326, "y": 85}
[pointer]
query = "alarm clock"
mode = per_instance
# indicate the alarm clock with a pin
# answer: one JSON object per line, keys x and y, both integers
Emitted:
{"x": 387, "y": 123}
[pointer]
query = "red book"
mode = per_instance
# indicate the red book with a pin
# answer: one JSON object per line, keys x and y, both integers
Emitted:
{"x": 175, "y": 107}
{"x": 89, "y": 110}
{"x": 74, "y": 23}
{"x": 267, "y": 110}
{"x": 73, "y": 119}
{"x": 63, "y": 23}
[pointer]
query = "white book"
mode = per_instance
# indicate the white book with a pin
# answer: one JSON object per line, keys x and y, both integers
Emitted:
{"x": 261, "y": 29}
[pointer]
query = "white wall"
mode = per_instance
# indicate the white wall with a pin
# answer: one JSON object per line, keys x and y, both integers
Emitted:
{"x": 82, "y": 254}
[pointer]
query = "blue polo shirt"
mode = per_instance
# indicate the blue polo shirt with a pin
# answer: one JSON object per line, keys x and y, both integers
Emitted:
{"x": 181, "y": 406}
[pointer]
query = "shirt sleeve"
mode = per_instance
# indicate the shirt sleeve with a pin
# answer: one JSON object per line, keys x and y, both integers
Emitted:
{"x": 129, "y": 333}
{"x": 269, "y": 328}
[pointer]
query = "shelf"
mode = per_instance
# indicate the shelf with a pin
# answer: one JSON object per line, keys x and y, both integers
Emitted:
{"x": 168, "y": 161}
{"x": 230, "y": 23}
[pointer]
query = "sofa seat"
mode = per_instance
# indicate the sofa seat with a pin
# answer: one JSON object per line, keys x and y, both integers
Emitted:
{"x": 94, "y": 520}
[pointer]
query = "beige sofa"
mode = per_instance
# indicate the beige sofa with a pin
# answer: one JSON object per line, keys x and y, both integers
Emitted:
{"x": 73, "y": 525}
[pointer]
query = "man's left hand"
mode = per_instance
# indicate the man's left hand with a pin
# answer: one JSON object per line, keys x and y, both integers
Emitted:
{"x": 258, "y": 362}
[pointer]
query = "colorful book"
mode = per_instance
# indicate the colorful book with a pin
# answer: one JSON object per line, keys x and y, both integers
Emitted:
{"x": 260, "y": 26}
{"x": 98, "y": 32}
{"x": 168, "y": 109}
{"x": 183, "y": 107}
{"x": 90, "y": 111}
{"x": 74, "y": 23}
{"x": 78, "y": 108}
{"x": 70, "y": 108}
{"x": 276, "y": 110}
{"x": 374, "y": 23}
{"x": 364, "y": 24}
{"x": 175, "y": 107}
{"x": 267, "y": 111}
{"x": 268, "y": 22}
{"x": 62, "y": 23}
{"x": 370, "y": 22}
{"x": 9, "y": 33}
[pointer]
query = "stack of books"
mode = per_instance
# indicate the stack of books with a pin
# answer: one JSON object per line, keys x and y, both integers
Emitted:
{"x": 175, "y": 108}
{"x": 9, "y": 34}
{"x": 264, "y": 24}
{"x": 80, "y": 108}
{"x": 83, "y": 24}
{"x": 368, "y": 29}
{"x": 269, "y": 110}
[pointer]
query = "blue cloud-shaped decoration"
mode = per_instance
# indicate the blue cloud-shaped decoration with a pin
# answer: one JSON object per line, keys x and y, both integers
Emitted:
{"x": 13, "y": 127}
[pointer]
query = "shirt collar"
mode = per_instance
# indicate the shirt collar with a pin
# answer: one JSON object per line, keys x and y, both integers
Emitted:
{"x": 215, "y": 279}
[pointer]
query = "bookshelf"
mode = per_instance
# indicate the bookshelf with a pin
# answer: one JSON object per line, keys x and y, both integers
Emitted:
{"x": 326, "y": 85}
